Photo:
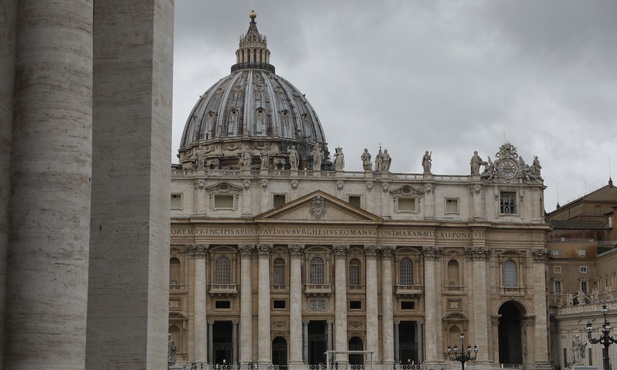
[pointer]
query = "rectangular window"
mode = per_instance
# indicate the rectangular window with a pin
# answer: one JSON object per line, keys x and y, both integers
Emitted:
{"x": 223, "y": 201}
{"x": 355, "y": 305}
{"x": 557, "y": 269}
{"x": 279, "y": 304}
{"x": 582, "y": 252}
{"x": 355, "y": 200}
{"x": 278, "y": 277}
{"x": 407, "y": 305}
{"x": 451, "y": 205}
{"x": 507, "y": 203}
{"x": 176, "y": 201}
{"x": 555, "y": 252}
{"x": 406, "y": 204}
{"x": 278, "y": 200}
{"x": 354, "y": 275}
{"x": 222, "y": 304}
{"x": 557, "y": 287}
{"x": 583, "y": 269}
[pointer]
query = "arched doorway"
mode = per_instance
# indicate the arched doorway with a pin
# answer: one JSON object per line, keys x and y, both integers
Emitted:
{"x": 510, "y": 338}
{"x": 355, "y": 344}
{"x": 279, "y": 352}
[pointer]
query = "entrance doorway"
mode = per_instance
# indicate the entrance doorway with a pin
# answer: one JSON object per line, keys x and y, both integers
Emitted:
{"x": 317, "y": 342}
{"x": 279, "y": 352}
{"x": 355, "y": 344}
{"x": 407, "y": 347}
{"x": 510, "y": 339}
{"x": 221, "y": 343}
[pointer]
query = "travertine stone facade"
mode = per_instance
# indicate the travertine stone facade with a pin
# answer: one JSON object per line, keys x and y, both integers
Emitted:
{"x": 306, "y": 258}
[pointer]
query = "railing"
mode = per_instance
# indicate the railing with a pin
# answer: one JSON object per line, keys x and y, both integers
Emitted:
{"x": 318, "y": 289}
{"x": 408, "y": 289}
{"x": 223, "y": 289}
{"x": 514, "y": 291}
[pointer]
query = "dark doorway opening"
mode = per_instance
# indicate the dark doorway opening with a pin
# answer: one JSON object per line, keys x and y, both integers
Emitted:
{"x": 510, "y": 340}
{"x": 221, "y": 342}
{"x": 279, "y": 352}
{"x": 355, "y": 344}
{"x": 408, "y": 347}
{"x": 317, "y": 342}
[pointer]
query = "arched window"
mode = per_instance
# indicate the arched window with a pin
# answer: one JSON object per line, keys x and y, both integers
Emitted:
{"x": 223, "y": 270}
{"x": 356, "y": 344}
{"x": 354, "y": 272}
{"x": 406, "y": 272}
{"x": 453, "y": 273}
{"x": 316, "y": 271}
{"x": 278, "y": 276}
{"x": 509, "y": 274}
{"x": 174, "y": 271}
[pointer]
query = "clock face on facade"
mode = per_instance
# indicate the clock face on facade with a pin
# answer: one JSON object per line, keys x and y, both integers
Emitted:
{"x": 507, "y": 168}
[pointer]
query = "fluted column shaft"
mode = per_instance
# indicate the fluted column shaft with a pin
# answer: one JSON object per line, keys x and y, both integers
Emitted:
{"x": 340, "y": 316}
{"x": 200, "y": 322}
{"x": 49, "y": 205}
{"x": 372, "y": 312}
{"x": 246, "y": 305}
{"x": 432, "y": 326}
{"x": 263, "y": 327}
{"x": 295, "y": 305}
{"x": 386, "y": 302}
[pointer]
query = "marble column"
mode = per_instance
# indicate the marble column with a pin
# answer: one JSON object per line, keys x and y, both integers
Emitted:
{"x": 200, "y": 323}
{"x": 246, "y": 304}
{"x": 479, "y": 290}
{"x": 387, "y": 321}
{"x": 329, "y": 332}
{"x": 295, "y": 305}
{"x": 433, "y": 321}
{"x": 50, "y": 187}
{"x": 540, "y": 325}
{"x": 263, "y": 326}
{"x": 340, "y": 306}
{"x": 372, "y": 312}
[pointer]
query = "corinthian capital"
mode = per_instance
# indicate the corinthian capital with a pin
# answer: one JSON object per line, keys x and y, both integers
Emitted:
{"x": 340, "y": 251}
{"x": 246, "y": 250}
{"x": 540, "y": 255}
{"x": 263, "y": 250}
{"x": 197, "y": 250}
{"x": 370, "y": 251}
{"x": 295, "y": 250}
{"x": 432, "y": 253}
{"x": 477, "y": 253}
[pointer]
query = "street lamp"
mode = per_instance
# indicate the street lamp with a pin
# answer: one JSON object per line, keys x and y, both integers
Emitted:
{"x": 465, "y": 355}
{"x": 605, "y": 339}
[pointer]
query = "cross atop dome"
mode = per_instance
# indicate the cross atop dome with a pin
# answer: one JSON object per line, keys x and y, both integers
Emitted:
{"x": 253, "y": 52}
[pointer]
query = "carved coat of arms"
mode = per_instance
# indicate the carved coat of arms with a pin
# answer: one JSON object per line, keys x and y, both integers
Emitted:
{"x": 318, "y": 207}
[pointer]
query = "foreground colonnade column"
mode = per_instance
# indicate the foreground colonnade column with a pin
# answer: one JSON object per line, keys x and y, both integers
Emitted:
{"x": 50, "y": 180}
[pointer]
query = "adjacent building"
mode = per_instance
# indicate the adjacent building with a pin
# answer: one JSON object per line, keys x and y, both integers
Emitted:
{"x": 279, "y": 255}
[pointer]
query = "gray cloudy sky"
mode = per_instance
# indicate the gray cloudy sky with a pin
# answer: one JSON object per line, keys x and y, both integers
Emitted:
{"x": 450, "y": 77}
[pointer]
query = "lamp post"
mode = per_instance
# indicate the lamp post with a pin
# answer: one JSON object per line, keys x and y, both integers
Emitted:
{"x": 464, "y": 355}
{"x": 605, "y": 338}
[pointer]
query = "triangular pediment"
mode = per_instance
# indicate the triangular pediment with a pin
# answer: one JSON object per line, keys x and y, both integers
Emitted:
{"x": 318, "y": 206}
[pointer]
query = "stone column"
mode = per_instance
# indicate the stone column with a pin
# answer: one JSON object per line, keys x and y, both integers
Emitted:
{"x": 210, "y": 340}
{"x": 305, "y": 340}
{"x": 295, "y": 305}
{"x": 246, "y": 305}
{"x": 50, "y": 51}
{"x": 420, "y": 335}
{"x": 129, "y": 250}
{"x": 340, "y": 315}
{"x": 388, "y": 337}
{"x": 481, "y": 312}
{"x": 396, "y": 342}
{"x": 372, "y": 312}
{"x": 234, "y": 342}
{"x": 433, "y": 321}
{"x": 540, "y": 325}
{"x": 200, "y": 337}
{"x": 7, "y": 70}
{"x": 476, "y": 196}
{"x": 329, "y": 333}
{"x": 263, "y": 327}
{"x": 429, "y": 201}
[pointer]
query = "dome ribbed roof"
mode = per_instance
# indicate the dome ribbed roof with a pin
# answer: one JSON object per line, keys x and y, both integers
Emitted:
{"x": 252, "y": 106}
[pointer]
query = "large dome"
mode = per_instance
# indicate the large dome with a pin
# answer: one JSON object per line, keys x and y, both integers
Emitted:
{"x": 251, "y": 109}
